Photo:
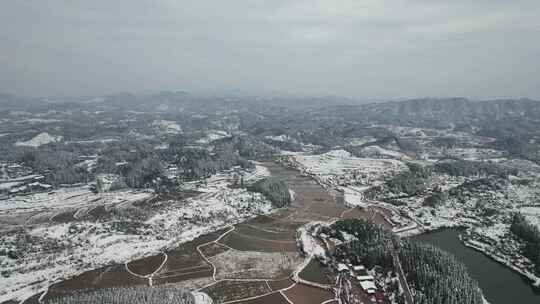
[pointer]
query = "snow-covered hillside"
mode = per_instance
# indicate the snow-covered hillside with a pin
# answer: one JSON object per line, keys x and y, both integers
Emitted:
{"x": 39, "y": 140}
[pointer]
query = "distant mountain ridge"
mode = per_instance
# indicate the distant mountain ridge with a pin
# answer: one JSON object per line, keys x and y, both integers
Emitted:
{"x": 438, "y": 112}
{"x": 454, "y": 109}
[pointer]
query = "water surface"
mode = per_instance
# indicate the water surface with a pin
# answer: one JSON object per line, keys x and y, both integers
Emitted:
{"x": 499, "y": 284}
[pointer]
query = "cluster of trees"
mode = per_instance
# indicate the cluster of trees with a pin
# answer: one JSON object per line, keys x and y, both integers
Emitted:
{"x": 138, "y": 163}
{"x": 252, "y": 148}
{"x": 447, "y": 142}
{"x": 434, "y": 275}
{"x": 480, "y": 185}
{"x": 56, "y": 162}
{"x": 530, "y": 234}
{"x": 436, "y": 199}
{"x": 411, "y": 182}
{"x": 19, "y": 243}
{"x": 520, "y": 145}
{"x": 284, "y": 145}
{"x": 459, "y": 167}
{"x": 372, "y": 247}
{"x": 196, "y": 163}
{"x": 200, "y": 163}
{"x": 274, "y": 190}
{"x": 130, "y": 295}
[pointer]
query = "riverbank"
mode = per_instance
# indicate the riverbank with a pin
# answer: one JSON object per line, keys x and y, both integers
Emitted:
{"x": 486, "y": 250}
{"x": 499, "y": 283}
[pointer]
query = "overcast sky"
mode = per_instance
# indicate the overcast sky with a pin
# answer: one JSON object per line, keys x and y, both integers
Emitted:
{"x": 355, "y": 48}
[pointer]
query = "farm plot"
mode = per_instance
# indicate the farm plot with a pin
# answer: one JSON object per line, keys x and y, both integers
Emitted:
{"x": 65, "y": 198}
{"x": 225, "y": 291}
{"x": 212, "y": 249}
{"x": 303, "y": 294}
{"x": 110, "y": 276}
{"x": 327, "y": 208}
{"x": 370, "y": 213}
{"x": 274, "y": 298}
{"x": 312, "y": 202}
{"x": 315, "y": 272}
{"x": 340, "y": 162}
{"x": 255, "y": 265}
{"x": 357, "y": 212}
{"x": 147, "y": 265}
{"x": 276, "y": 231}
{"x": 64, "y": 216}
{"x": 280, "y": 284}
{"x": 185, "y": 262}
{"x": 244, "y": 242}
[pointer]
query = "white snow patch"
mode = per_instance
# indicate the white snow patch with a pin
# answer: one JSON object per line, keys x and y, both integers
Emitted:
{"x": 167, "y": 126}
{"x": 213, "y": 135}
{"x": 39, "y": 140}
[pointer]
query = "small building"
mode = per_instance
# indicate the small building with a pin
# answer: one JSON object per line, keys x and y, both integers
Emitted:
{"x": 362, "y": 278}
{"x": 359, "y": 268}
{"x": 342, "y": 267}
{"x": 368, "y": 286}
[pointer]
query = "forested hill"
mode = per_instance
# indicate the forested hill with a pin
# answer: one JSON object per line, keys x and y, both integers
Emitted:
{"x": 454, "y": 110}
{"x": 439, "y": 111}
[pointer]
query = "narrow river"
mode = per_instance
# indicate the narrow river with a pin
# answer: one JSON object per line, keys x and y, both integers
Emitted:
{"x": 499, "y": 284}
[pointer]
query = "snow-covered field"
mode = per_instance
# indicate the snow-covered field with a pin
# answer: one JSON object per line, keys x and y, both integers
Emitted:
{"x": 339, "y": 166}
{"x": 234, "y": 264}
{"x": 39, "y": 140}
{"x": 167, "y": 126}
{"x": 379, "y": 152}
{"x": 213, "y": 135}
{"x": 353, "y": 196}
{"x": 75, "y": 197}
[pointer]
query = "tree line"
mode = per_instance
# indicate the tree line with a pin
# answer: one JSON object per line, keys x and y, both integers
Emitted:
{"x": 276, "y": 191}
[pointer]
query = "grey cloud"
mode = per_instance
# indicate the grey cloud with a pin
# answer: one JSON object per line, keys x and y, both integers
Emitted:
{"x": 358, "y": 48}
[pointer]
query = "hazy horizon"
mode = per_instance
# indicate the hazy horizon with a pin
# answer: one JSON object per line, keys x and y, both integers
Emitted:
{"x": 362, "y": 49}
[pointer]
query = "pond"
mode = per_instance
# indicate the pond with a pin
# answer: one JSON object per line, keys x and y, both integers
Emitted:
{"x": 500, "y": 284}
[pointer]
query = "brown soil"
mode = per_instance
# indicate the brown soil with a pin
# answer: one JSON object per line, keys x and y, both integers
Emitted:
{"x": 264, "y": 232}
{"x": 146, "y": 265}
{"x": 64, "y": 217}
{"x": 327, "y": 208}
{"x": 184, "y": 262}
{"x": 381, "y": 220}
{"x": 315, "y": 272}
{"x": 97, "y": 212}
{"x": 357, "y": 212}
{"x": 244, "y": 242}
{"x": 230, "y": 290}
{"x": 213, "y": 249}
{"x": 274, "y": 298}
{"x": 179, "y": 275}
{"x": 277, "y": 285}
{"x": 106, "y": 277}
{"x": 303, "y": 294}
{"x": 32, "y": 300}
